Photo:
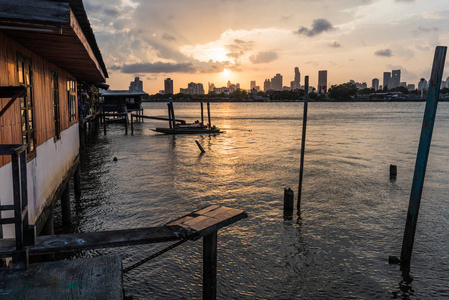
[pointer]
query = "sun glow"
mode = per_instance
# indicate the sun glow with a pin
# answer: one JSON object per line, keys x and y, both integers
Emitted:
{"x": 226, "y": 72}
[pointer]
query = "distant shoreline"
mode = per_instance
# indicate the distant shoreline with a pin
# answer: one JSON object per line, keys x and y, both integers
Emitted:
{"x": 274, "y": 101}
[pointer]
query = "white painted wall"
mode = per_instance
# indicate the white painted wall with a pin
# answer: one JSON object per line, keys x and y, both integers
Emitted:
{"x": 45, "y": 173}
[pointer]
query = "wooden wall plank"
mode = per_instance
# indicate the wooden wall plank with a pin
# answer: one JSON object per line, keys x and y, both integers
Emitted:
{"x": 10, "y": 123}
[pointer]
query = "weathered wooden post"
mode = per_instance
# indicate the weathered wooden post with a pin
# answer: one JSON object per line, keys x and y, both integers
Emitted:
{"x": 173, "y": 115}
{"x": 210, "y": 266}
{"x": 208, "y": 114}
{"x": 288, "y": 202}
{"x": 132, "y": 124}
{"x": 126, "y": 123}
{"x": 199, "y": 146}
{"x": 423, "y": 154}
{"x": 393, "y": 171}
{"x": 303, "y": 141}
{"x": 202, "y": 114}
{"x": 77, "y": 182}
{"x": 65, "y": 206}
{"x": 169, "y": 115}
{"x": 104, "y": 124}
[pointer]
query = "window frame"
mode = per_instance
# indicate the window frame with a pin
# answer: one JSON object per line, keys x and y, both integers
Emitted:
{"x": 26, "y": 106}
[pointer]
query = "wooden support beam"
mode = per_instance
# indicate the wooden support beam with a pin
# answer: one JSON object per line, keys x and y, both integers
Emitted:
{"x": 210, "y": 266}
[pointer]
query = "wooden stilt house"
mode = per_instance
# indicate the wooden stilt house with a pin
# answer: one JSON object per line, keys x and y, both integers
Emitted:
{"x": 46, "y": 47}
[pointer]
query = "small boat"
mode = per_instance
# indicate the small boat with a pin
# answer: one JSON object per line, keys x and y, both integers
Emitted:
{"x": 188, "y": 129}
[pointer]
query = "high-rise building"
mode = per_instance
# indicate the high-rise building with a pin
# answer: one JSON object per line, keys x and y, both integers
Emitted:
{"x": 387, "y": 77}
{"x": 375, "y": 84}
{"x": 136, "y": 85}
{"x": 322, "y": 81}
{"x": 252, "y": 85}
{"x": 276, "y": 82}
{"x": 297, "y": 78}
{"x": 193, "y": 89}
{"x": 395, "y": 79}
{"x": 266, "y": 85}
{"x": 168, "y": 86}
{"x": 211, "y": 87}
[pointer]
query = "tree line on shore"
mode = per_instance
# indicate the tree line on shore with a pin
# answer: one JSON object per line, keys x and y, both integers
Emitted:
{"x": 340, "y": 92}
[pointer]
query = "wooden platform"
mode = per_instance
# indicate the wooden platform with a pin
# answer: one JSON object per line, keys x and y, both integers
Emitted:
{"x": 83, "y": 278}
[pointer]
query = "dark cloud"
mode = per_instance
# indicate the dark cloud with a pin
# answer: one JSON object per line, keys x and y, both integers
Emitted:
{"x": 168, "y": 37}
{"x": 383, "y": 52}
{"x": 421, "y": 29}
{"x": 318, "y": 26}
{"x": 158, "y": 67}
{"x": 335, "y": 44}
{"x": 114, "y": 67}
{"x": 194, "y": 66}
{"x": 263, "y": 57}
{"x": 111, "y": 12}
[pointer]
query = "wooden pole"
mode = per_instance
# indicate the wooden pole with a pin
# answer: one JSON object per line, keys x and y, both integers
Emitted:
{"x": 210, "y": 266}
{"x": 202, "y": 114}
{"x": 132, "y": 124}
{"x": 173, "y": 115}
{"x": 288, "y": 202}
{"x": 169, "y": 115}
{"x": 126, "y": 123}
{"x": 208, "y": 114}
{"x": 423, "y": 154}
{"x": 303, "y": 141}
{"x": 104, "y": 124}
{"x": 77, "y": 182}
{"x": 199, "y": 146}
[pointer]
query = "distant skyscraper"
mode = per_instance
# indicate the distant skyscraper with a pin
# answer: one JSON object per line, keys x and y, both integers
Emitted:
{"x": 276, "y": 82}
{"x": 252, "y": 85}
{"x": 168, "y": 86}
{"x": 297, "y": 78}
{"x": 375, "y": 84}
{"x": 211, "y": 87}
{"x": 322, "y": 81}
{"x": 387, "y": 77}
{"x": 266, "y": 85}
{"x": 193, "y": 89}
{"x": 136, "y": 85}
{"x": 395, "y": 79}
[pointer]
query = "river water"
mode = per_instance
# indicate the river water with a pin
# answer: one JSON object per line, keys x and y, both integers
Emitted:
{"x": 352, "y": 219}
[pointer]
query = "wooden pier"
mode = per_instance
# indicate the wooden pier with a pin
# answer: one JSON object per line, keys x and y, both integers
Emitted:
{"x": 201, "y": 223}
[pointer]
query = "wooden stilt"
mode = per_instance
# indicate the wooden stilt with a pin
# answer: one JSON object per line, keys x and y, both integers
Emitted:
{"x": 210, "y": 266}
{"x": 77, "y": 182}
{"x": 208, "y": 115}
{"x": 303, "y": 142}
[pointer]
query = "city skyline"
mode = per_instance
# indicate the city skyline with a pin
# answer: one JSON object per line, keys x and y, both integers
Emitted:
{"x": 220, "y": 41}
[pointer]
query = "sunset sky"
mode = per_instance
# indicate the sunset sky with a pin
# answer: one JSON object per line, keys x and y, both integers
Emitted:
{"x": 215, "y": 41}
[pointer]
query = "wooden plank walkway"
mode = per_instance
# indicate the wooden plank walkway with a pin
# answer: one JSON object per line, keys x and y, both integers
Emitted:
{"x": 83, "y": 278}
{"x": 77, "y": 279}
